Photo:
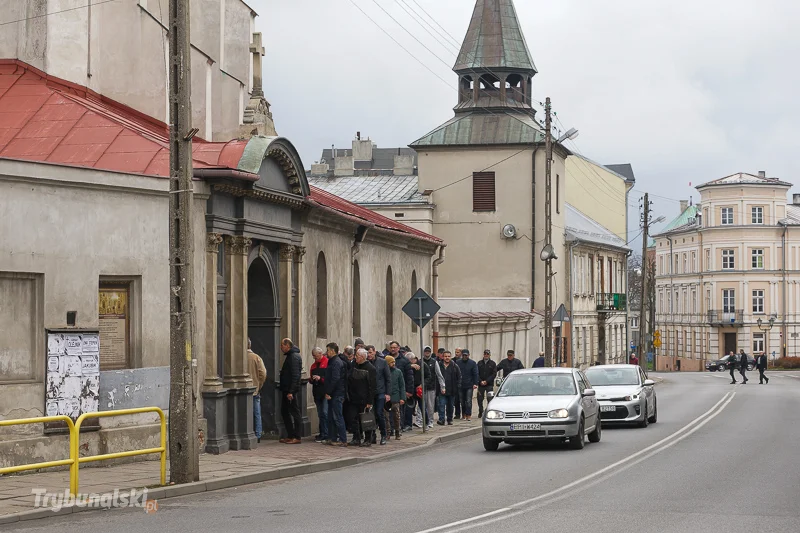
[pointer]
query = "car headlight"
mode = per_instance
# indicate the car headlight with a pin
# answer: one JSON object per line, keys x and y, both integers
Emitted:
{"x": 558, "y": 413}
{"x": 631, "y": 397}
{"x": 495, "y": 415}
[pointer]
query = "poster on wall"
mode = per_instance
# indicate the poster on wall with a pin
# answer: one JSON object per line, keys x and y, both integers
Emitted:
{"x": 114, "y": 325}
{"x": 72, "y": 383}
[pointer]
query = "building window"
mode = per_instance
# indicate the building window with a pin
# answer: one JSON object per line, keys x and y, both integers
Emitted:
{"x": 694, "y": 302}
{"x": 758, "y": 343}
{"x": 727, "y": 216}
{"x": 114, "y": 313}
{"x": 728, "y": 300}
{"x": 322, "y": 297}
{"x": 356, "y": 300}
{"x": 591, "y": 274}
{"x": 694, "y": 262}
{"x": 758, "y": 215}
{"x": 757, "y": 256}
{"x": 634, "y": 322}
{"x": 389, "y": 302}
{"x": 707, "y": 266}
{"x": 483, "y": 192}
{"x": 758, "y": 301}
{"x": 727, "y": 260}
{"x": 685, "y": 263}
{"x": 414, "y": 291}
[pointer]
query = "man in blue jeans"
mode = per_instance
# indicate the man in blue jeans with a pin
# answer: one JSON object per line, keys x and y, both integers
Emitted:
{"x": 383, "y": 388}
{"x": 335, "y": 388}
{"x": 317, "y": 380}
{"x": 258, "y": 373}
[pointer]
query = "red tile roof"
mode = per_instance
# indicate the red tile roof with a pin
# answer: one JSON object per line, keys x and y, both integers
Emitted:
{"x": 43, "y": 118}
{"x": 365, "y": 216}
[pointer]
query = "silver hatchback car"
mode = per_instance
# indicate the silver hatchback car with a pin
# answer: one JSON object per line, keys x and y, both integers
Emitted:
{"x": 624, "y": 393}
{"x": 542, "y": 403}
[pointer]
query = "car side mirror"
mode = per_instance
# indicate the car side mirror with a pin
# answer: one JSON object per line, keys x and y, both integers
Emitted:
{"x": 649, "y": 382}
{"x": 588, "y": 392}
{"x": 490, "y": 395}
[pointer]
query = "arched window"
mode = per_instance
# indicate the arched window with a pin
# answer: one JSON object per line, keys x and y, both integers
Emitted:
{"x": 389, "y": 302}
{"x": 356, "y": 300}
{"x": 413, "y": 291}
{"x": 322, "y": 297}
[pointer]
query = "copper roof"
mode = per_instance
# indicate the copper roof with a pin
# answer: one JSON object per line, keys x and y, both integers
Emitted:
{"x": 473, "y": 129}
{"x": 494, "y": 39}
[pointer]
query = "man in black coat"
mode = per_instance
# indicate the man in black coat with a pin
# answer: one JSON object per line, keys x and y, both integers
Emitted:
{"x": 510, "y": 364}
{"x": 449, "y": 387}
{"x": 404, "y": 365}
{"x": 743, "y": 366}
{"x": 732, "y": 364}
{"x": 761, "y": 364}
{"x": 487, "y": 371}
{"x": 361, "y": 387}
{"x": 291, "y": 372}
{"x": 335, "y": 392}
{"x": 383, "y": 390}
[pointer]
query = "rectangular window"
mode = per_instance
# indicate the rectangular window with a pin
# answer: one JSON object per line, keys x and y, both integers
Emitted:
{"x": 727, "y": 260}
{"x": 758, "y": 215}
{"x": 483, "y": 194}
{"x": 758, "y": 343}
{"x": 757, "y": 256}
{"x": 758, "y": 301}
{"x": 694, "y": 261}
{"x": 727, "y": 216}
{"x": 685, "y": 264}
{"x": 634, "y": 322}
{"x": 707, "y": 266}
{"x": 694, "y": 302}
{"x": 591, "y": 274}
{"x": 114, "y": 315}
{"x": 728, "y": 300}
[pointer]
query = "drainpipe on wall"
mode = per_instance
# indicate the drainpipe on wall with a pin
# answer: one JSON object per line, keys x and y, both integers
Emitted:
{"x": 783, "y": 268}
{"x": 438, "y": 261}
{"x": 534, "y": 255}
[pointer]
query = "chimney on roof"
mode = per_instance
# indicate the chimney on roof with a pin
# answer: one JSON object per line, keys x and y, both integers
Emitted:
{"x": 796, "y": 199}
{"x": 762, "y": 173}
{"x": 358, "y": 135}
{"x": 684, "y": 205}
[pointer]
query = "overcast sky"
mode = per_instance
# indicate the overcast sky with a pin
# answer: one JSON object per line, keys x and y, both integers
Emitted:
{"x": 685, "y": 91}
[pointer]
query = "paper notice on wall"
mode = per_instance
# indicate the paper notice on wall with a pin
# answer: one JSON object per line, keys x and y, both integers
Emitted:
{"x": 72, "y": 382}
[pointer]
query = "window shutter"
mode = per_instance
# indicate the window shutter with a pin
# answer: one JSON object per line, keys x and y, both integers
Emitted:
{"x": 483, "y": 197}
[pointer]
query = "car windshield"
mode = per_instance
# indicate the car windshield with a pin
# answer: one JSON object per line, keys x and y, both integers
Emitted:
{"x": 537, "y": 385}
{"x": 600, "y": 377}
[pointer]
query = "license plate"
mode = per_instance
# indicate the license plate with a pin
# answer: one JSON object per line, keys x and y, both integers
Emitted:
{"x": 607, "y": 408}
{"x": 525, "y": 427}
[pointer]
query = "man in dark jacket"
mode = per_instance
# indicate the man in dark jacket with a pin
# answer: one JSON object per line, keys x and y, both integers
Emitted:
{"x": 383, "y": 390}
{"x": 448, "y": 387}
{"x": 761, "y": 364}
{"x": 743, "y": 366}
{"x": 469, "y": 383}
{"x": 487, "y": 371}
{"x": 510, "y": 364}
{"x": 335, "y": 390}
{"x": 362, "y": 387}
{"x": 732, "y": 363}
{"x": 291, "y": 372}
{"x": 430, "y": 385}
{"x": 404, "y": 365}
{"x": 539, "y": 361}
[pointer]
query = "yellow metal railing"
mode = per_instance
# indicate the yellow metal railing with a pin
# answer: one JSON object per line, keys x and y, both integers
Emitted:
{"x": 73, "y": 481}
{"x": 47, "y": 464}
{"x": 75, "y": 460}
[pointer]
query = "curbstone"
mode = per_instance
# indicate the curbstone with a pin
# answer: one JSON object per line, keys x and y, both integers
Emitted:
{"x": 36, "y": 514}
{"x": 173, "y": 491}
{"x": 9, "y": 519}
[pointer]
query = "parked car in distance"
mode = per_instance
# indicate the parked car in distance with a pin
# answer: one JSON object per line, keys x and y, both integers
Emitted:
{"x": 542, "y": 403}
{"x": 624, "y": 394}
{"x": 721, "y": 364}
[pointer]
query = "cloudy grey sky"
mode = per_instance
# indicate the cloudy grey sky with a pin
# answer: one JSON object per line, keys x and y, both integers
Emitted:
{"x": 686, "y": 91}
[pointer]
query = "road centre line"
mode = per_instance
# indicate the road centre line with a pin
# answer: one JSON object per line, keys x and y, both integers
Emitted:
{"x": 596, "y": 477}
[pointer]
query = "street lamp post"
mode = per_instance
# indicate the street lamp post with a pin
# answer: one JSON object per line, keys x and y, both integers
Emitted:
{"x": 759, "y": 322}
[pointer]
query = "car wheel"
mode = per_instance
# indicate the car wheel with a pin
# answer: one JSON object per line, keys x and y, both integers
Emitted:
{"x": 578, "y": 441}
{"x": 654, "y": 418}
{"x": 644, "y": 421}
{"x": 594, "y": 436}
{"x": 721, "y": 368}
{"x": 490, "y": 445}
{"x": 749, "y": 368}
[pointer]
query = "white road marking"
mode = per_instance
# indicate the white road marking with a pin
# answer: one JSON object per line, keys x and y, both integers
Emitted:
{"x": 595, "y": 477}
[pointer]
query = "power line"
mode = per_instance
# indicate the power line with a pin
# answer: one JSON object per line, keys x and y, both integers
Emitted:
{"x": 59, "y": 11}
{"x": 484, "y": 170}
{"x": 437, "y": 23}
{"x": 419, "y": 20}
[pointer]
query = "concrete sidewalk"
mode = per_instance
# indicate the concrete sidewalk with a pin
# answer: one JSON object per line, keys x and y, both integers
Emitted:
{"x": 270, "y": 460}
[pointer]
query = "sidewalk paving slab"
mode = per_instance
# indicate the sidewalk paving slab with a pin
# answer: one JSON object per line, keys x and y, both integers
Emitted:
{"x": 270, "y": 461}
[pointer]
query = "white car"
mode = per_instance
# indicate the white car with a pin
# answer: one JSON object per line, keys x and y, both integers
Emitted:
{"x": 624, "y": 394}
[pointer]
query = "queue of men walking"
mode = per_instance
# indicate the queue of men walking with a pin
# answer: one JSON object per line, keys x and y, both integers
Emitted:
{"x": 376, "y": 395}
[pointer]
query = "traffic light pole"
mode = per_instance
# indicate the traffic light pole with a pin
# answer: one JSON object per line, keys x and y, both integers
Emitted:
{"x": 422, "y": 366}
{"x": 643, "y": 301}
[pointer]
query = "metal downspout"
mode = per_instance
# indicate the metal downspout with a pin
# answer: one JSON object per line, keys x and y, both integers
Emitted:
{"x": 435, "y": 274}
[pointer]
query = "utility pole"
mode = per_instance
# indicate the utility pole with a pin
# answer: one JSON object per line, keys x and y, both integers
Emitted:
{"x": 548, "y": 238}
{"x": 643, "y": 301}
{"x": 183, "y": 446}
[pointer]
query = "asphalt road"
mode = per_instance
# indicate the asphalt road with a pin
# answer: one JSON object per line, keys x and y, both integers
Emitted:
{"x": 722, "y": 458}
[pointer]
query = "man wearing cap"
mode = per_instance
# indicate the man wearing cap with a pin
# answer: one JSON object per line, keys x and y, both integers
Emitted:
{"x": 469, "y": 382}
{"x": 457, "y": 399}
{"x": 510, "y": 364}
{"x": 431, "y": 373}
{"x": 487, "y": 371}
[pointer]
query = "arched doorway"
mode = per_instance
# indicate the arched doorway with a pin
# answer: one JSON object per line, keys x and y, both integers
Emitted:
{"x": 263, "y": 323}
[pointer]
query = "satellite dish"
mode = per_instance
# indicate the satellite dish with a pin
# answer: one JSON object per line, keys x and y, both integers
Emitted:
{"x": 509, "y": 231}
